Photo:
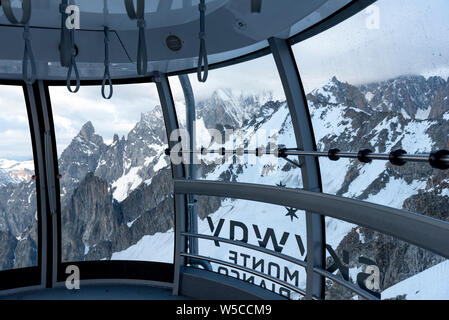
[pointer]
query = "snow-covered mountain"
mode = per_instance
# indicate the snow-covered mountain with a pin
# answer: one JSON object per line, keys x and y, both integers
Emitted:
{"x": 12, "y": 171}
{"x": 117, "y": 203}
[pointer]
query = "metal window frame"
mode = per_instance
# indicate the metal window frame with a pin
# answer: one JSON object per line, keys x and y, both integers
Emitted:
{"x": 17, "y": 280}
{"x": 310, "y": 168}
{"x": 178, "y": 171}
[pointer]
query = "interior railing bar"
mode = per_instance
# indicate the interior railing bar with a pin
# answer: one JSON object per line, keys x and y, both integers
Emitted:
{"x": 438, "y": 159}
{"x": 249, "y": 246}
{"x": 244, "y": 269}
{"x": 345, "y": 284}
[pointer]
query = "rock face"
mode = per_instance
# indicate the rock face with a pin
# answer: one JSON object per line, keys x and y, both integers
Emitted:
{"x": 7, "y": 245}
{"x": 418, "y": 97}
{"x": 17, "y": 207}
{"x": 114, "y": 195}
{"x": 225, "y": 109}
{"x": 88, "y": 218}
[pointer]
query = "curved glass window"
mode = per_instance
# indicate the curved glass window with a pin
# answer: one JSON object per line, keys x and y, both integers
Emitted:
{"x": 241, "y": 106}
{"x": 18, "y": 202}
{"x": 116, "y": 182}
{"x": 380, "y": 81}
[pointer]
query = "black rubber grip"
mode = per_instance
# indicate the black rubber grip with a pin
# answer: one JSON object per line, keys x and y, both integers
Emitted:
{"x": 332, "y": 154}
{"x": 281, "y": 153}
{"x": 436, "y": 159}
{"x": 394, "y": 157}
{"x": 362, "y": 156}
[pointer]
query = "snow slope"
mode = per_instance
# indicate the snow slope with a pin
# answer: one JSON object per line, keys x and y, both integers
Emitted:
{"x": 430, "y": 284}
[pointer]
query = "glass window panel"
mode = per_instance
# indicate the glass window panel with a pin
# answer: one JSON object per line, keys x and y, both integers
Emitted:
{"x": 379, "y": 80}
{"x": 18, "y": 203}
{"x": 241, "y": 106}
{"x": 116, "y": 182}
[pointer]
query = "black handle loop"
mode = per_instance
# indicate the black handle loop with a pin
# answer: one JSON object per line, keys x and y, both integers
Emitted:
{"x": 142, "y": 55}
{"x": 134, "y": 14}
{"x": 26, "y": 12}
{"x": 73, "y": 65}
{"x": 28, "y": 56}
{"x": 139, "y": 15}
{"x": 362, "y": 156}
{"x": 107, "y": 74}
{"x": 203, "y": 63}
{"x": 395, "y": 159}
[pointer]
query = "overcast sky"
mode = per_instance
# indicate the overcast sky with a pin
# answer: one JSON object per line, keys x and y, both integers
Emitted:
{"x": 410, "y": 37}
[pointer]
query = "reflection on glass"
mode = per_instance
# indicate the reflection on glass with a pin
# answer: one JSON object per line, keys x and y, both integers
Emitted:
{"x": 115, "y": 179}
{"x": 276, "y": 228}
{"x": 18, "y": 203}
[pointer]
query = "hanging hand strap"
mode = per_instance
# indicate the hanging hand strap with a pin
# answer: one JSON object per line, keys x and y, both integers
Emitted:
{"x": 28, "y": 57}
{"x": 107, "y": 75}
{"x": 139, "y": 15}
{"x": 65, "y": 49}
{"x": 203, "y": 64}
{"x": 26, "y": 12}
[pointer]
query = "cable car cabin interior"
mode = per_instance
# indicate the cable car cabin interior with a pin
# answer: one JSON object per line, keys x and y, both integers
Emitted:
{"x": 224, "y": 149}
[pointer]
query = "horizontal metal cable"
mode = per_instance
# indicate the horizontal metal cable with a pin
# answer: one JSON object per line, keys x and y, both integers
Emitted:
{"x": 438, "y": 159}
{"x": 241, "y": 268}
{"x": 249, "y": 246}
{"x": 203, "y": 64}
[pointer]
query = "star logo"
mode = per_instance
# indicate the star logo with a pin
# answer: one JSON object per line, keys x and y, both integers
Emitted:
{"x": 281, "y": 185}
{"x": 291, "y": 213}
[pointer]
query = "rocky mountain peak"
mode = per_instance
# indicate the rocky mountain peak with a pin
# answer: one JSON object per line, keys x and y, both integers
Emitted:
{"x": 115, "y": 138}
{"x": 87, "y": 131}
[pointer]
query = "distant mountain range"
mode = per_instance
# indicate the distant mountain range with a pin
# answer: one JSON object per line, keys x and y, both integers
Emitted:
{"x": 12, "y": 171}
{"x": 116, "y": 198}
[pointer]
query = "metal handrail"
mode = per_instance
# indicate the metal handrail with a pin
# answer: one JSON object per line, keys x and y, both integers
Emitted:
{"x": 423, "y": 231}
{"x": 241, "y": 268}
